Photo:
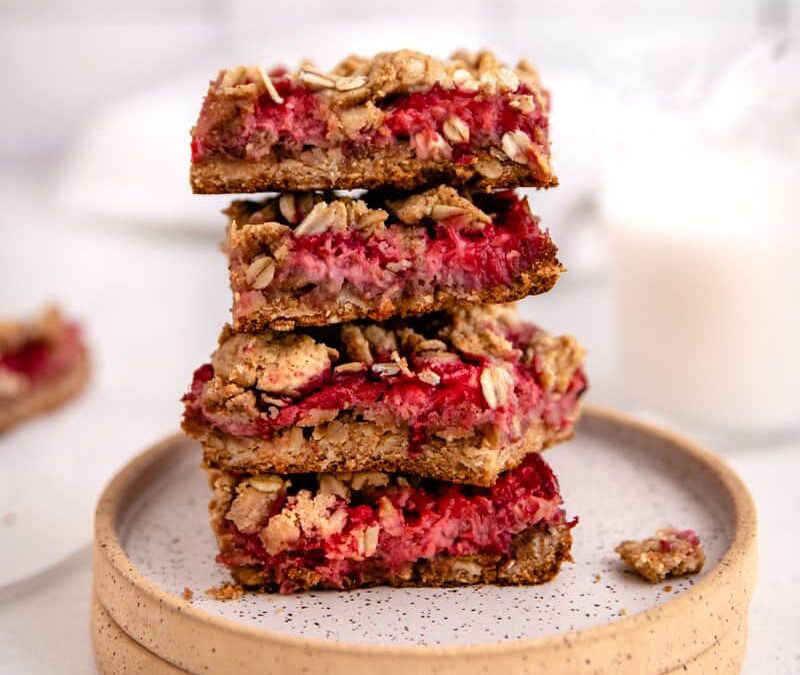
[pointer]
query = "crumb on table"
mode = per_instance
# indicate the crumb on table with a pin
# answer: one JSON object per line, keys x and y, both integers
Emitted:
{"x": 669, "y": 553}
{"x": 188, "y": 593}
{"x": 226, "y": 591}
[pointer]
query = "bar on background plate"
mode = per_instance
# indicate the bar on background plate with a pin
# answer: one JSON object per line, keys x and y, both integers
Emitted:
{"x": 43, "y": 364}
{"x": 460, "y": 396}
{"x": 306, "y": 259}
{"x": 401, "y": 120}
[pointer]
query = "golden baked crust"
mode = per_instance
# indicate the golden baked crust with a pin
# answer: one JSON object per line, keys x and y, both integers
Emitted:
{"x": 278, "y": 284}
{"x": 327, "y": 168}
{"x": 348, "y": 444}
{"x": 354, "y": 97}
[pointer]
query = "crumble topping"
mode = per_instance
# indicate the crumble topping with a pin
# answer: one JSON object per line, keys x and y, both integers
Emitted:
{"x": 483, "y": 330}
{"x": 246, "y": 508}
{"x": 669, "y": 553}
{"x": 356, "y": 346}
{"x": 556, "y": 356}
{"x": 496, "y": 384}
{"x": 282, "y": 363}
{"x": 356, "y": 79}
{"x": 311, "y": 213}
{"x": 440, "y": 203}
{"x": 276, "y": 363}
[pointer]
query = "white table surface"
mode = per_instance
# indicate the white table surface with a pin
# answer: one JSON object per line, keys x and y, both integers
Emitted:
{"x": 172, "y": 286}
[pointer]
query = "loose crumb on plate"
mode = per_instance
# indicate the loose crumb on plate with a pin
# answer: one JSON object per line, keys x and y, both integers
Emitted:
{"x": 597, "y": 578}
{"x": 226, "y": 591}
{"x": 188, "y": 593}
{"x": 669, "y": 553}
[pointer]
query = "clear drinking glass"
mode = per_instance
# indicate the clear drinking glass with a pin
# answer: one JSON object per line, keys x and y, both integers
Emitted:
{"x": 701, "y": 205}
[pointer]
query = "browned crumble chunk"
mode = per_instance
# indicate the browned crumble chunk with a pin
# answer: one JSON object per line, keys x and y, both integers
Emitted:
{"x": 669, "y": 553}
{"x": 227, "y": 591}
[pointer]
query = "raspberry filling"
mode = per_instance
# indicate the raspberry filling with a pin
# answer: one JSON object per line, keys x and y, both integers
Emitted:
{"x": 457, "y": 401}
{"x": 402, "y": 262}
{"x": 40, "y": 360}
{"x": 486, "y": 118}
{"x": 386, "y": 528}
{"x": 689, "y": 536}
{"x": 306, "y": 119}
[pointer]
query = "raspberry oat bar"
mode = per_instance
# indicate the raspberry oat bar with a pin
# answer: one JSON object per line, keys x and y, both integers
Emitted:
{"x": 401, "y": 119}
{"x": 461, "y": 395}
{"x": 304, "y": 259}
{"x": 339, "y": 531}
{"x": 43, "y": 363}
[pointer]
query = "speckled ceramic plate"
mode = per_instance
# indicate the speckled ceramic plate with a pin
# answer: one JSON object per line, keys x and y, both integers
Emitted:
{"x": 623, "y": 478}
{"x": 116, "y": 652}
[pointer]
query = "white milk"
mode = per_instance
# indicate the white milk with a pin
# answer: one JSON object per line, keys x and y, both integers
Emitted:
{"x": 705, "y": 252}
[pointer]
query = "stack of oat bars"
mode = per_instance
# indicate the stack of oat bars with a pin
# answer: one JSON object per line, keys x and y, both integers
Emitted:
{"x": 368, "y": 417}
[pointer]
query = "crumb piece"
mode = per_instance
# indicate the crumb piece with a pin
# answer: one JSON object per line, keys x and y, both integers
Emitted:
{"x": 226, "y": 591}
{"x": 188, "y": 593}
{"x": 667, "y": 589}
{"x": 623, "y": 612}
{"x": 597, "y": 578}
{"x": 670, "y": 553}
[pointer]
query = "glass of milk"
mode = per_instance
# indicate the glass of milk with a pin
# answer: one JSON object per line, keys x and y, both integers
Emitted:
{"x": 701, "y": 201}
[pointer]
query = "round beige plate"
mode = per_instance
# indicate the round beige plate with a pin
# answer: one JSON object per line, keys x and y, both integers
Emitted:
{"x": 623, "y": 478}
{"x": 116, "y": 652}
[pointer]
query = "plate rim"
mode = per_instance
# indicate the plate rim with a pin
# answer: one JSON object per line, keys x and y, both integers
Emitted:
{"x": 739, "y": 557}
{"x": 109, "y": 636}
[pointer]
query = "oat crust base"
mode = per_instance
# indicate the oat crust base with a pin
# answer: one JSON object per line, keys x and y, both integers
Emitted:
{"x": 366, "y": 446}
{"x": 328, "y": 168}
{"x": 289, "y": 312}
